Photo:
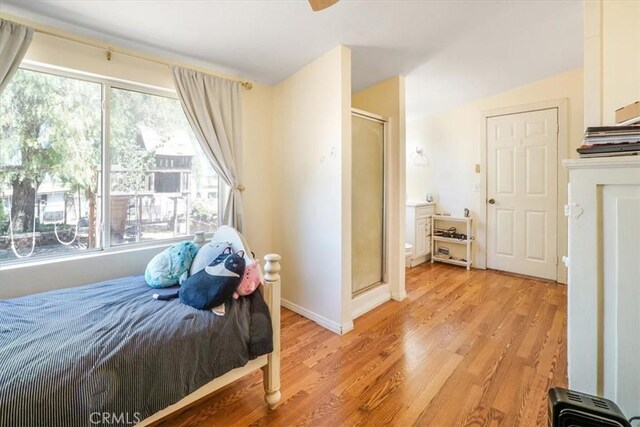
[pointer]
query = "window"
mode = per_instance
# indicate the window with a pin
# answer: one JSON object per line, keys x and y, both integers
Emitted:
{"x": 53, "y": 178}
{"x": 49, "y": 161}
{"x": 154, "y": 156}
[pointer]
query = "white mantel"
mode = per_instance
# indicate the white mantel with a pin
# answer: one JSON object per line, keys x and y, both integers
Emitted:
{"x": 604, "y": 278}
{"x": 602, "y": 162}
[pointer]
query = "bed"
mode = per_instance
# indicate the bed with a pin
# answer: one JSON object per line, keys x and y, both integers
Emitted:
{"x": 108, "y": 353}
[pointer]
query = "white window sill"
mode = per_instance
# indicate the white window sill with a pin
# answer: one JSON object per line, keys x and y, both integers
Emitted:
{"x": 71, "y": 258}
{"x": 92, "y": 254}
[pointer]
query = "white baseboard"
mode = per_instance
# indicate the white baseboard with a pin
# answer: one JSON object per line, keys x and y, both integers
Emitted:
{"x": 320, "y": 320}
{"x": 369, "y": 300}
{"x": 346, "y": 327}
{"x": 419, "y": 260}
{"x": 399, "y": 296}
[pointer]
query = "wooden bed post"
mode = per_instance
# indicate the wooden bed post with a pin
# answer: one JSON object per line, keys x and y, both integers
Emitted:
{"x": 272, "y": 293}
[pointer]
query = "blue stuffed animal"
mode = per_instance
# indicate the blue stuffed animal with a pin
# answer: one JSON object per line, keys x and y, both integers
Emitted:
{"x": 171, "y": 266}
{"x": 212, "y": 286}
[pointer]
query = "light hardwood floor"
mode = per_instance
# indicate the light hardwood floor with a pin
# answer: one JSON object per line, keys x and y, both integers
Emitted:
{"x": 469, "y": 348}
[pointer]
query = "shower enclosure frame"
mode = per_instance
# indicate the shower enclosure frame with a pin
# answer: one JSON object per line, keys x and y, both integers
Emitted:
{"x": 366, "y": 115}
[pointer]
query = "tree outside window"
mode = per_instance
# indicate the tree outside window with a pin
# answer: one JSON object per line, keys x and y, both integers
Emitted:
{"x": 51, "y": 132}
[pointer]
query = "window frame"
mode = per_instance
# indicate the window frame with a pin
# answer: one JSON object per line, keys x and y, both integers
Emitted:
{"x": 108, "y": 83}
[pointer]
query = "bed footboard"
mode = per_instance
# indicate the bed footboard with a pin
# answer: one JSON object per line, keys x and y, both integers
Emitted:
{"x": 272, "y": 296}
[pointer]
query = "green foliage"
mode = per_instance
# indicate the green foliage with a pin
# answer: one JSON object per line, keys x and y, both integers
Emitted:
{"x": 204, "y": 210}
{"x": 4, "y": 219}
{"x": 44, "y": 228}
{"x": 131, "y": 112}
{"x": 51, "y": 132}
{"x": 52, "y": 126}
{"x": 49, "y": 125}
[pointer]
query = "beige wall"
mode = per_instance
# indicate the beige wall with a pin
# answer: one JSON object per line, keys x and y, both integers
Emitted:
{"x": 387, "y": 99}
{"x": 257, "y": 122}
{"x": 311, "y": 141}
{"x": 611, "y": 58}
{"x": 452, "y": 142}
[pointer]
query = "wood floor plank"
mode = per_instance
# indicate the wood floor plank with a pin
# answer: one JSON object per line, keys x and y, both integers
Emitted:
{"x": 468, "y": 348}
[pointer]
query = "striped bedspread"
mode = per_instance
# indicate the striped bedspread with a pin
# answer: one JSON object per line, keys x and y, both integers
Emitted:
{"x": 109, "y": 354}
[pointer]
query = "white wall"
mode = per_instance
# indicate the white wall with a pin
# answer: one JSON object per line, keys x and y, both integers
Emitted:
{"x": 387, "y": 99}
{"x": 312, "y": 154}
{"x": 611, "y": 58}
{"x": 18, "y": 280}
{"x": 452, "y": 142}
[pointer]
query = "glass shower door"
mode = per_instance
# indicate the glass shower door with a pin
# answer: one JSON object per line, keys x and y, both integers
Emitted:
{"x": 367, "y": 198}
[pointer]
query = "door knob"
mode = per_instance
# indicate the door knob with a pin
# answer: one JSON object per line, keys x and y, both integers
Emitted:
{"x": 491, "y": 201}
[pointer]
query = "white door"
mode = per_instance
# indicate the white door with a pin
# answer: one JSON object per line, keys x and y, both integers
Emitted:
{"x": 522, "y": 157}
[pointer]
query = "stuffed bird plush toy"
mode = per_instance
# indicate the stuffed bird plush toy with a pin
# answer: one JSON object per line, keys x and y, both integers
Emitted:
{"x": 214, "y": 285}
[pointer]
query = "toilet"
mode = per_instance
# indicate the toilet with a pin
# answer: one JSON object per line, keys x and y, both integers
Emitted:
{"x": 408, "y": 253}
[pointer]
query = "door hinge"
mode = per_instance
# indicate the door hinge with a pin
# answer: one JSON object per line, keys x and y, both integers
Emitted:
{"x": 557, "y": 128}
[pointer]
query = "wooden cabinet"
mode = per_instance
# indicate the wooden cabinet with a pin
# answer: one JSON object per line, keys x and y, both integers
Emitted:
{"x": 603, "y": 336}
{"x": 418, "y": 221}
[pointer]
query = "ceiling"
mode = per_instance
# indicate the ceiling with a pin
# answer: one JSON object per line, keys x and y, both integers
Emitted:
{"x": 450, "y": 51}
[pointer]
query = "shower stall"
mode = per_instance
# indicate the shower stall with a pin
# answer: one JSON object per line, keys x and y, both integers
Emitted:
{"x": 368, "y": 193}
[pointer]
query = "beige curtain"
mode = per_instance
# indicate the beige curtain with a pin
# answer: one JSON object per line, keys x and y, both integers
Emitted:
{"x": 212, "y": 106}
{"x": 14, "y": 42}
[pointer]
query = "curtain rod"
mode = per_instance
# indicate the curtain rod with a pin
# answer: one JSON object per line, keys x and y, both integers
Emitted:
{"x": 109, "y": 50}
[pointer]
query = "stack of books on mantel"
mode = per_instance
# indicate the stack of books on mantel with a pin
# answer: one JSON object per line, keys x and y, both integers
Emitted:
{"x": 608, "y": 141}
